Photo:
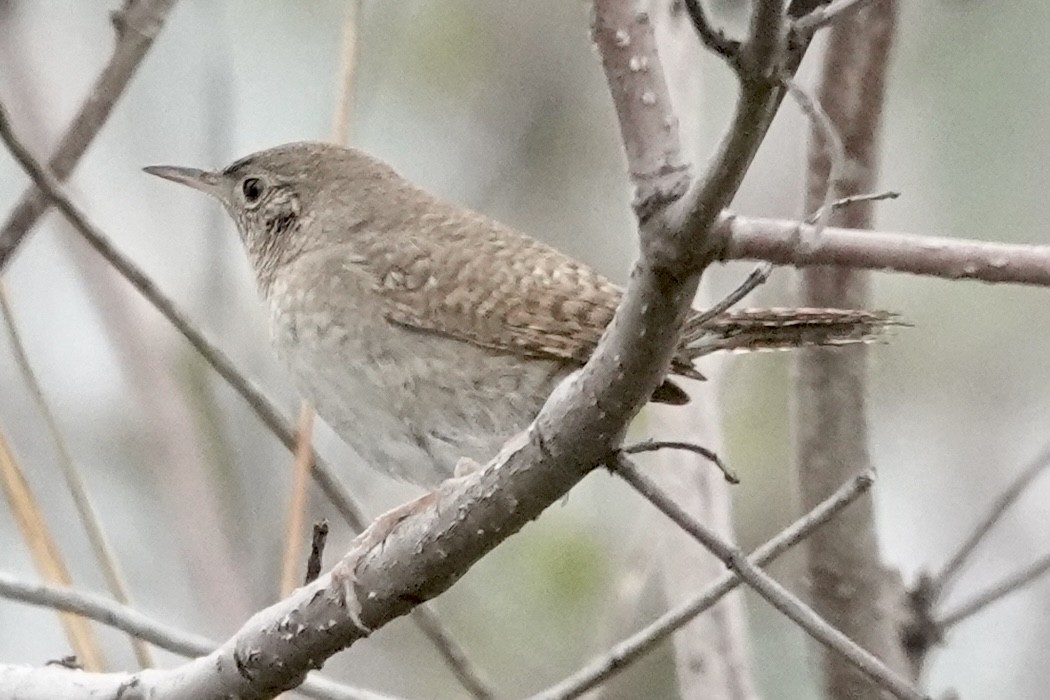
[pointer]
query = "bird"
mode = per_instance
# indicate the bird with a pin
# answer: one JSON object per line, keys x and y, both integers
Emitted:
{"x": 426, "y": 334}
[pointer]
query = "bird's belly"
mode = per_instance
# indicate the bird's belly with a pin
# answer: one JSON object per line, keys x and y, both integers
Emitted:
{"x": 412, "y": 403}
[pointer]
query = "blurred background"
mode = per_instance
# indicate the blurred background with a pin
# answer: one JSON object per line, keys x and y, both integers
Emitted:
{"x": 503, "y": 106}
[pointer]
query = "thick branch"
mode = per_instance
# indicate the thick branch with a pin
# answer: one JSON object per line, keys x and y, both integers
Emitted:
{"x": 136, "y": 25}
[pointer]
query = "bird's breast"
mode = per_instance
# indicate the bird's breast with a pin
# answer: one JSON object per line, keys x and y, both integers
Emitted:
{"x": 410, "y": 402}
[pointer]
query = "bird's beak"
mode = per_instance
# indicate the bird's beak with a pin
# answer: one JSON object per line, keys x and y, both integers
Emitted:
{"x": 207, "y": 182}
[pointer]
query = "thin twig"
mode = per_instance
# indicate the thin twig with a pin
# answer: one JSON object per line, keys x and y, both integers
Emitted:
{"x": 130, "y": 621}
{"x": 774, "y": 593}
{"x": 708, "y": 454}
{"x": 993, "y": 594}
{"x": 713, "y": 39}
{"x": 637, "y": 645}
{"x": 831, "y": 141}
{"x": 103, "y": 551}
{"x": 826, "y": 14}
{"x": 468, "y": 676}
{"x": 757, "y": 277}
{"x": 854, "y": 199}
{"x": 942, "y": 581}
{"x": 137, "y": 25}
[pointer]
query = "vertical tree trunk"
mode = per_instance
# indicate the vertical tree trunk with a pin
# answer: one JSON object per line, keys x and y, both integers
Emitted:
{"x": 850, "y": 586}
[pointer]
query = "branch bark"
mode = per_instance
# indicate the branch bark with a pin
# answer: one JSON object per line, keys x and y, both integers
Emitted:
{"x": 849, "y": 586}
{"x": 776, "y": 241}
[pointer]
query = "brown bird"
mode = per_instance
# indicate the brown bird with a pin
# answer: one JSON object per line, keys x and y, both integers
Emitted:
{"x": 426, "y": 333}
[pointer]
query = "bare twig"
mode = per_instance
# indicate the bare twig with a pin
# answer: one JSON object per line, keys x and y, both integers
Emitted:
{"x": 757, "y": 277}
{"x": 854, "y": 199}
{"x": 451, "y": 652}
{"x": 993, "y": 594}
{"x": 770, "y": 590}
{"x": 713, "y": 39}
{"x": 942, "y": 581}
{"x": 100, "y": 545}
{"x": 137, "y": 25}
{"x": 709, "y": 455}
{"x": 630, "y": 650}
{"x": 826, "y": 14}
{"x": 129, "y": 620}
{"x": 107, "y": 611}
{"x": 827, "y": 136}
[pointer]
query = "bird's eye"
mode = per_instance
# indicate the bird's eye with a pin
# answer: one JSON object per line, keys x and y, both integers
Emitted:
{"x": 252, "y": 188}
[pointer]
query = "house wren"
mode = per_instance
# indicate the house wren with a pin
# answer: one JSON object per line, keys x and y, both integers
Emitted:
{"x": 425, "y": 333}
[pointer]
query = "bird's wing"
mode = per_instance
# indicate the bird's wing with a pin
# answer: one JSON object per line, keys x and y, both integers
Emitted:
{"x": 480, "y": 283}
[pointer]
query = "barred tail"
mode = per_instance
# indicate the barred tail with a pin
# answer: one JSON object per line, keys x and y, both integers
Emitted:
{"x": 781, "y": 329}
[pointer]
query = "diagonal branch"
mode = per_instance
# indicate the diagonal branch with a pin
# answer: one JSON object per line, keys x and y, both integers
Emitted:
{"x": 940, "y": 583}
{"x": 993, "y": 594}
{"x": 774, "y": 593}
{"x": 633, "y": 648}
{"x": 137, "y": 24}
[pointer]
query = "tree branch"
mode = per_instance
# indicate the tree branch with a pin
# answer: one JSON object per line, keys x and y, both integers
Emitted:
{"x": 993, "y": 594}
{"x": 826, "y": 14}
{"x": 940, "y": 583}
{"x": 633, "y": 648}
{"x": 776, "y": 241}
{"x": 773, "y": 593}
{"x": 137, "y": 24}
